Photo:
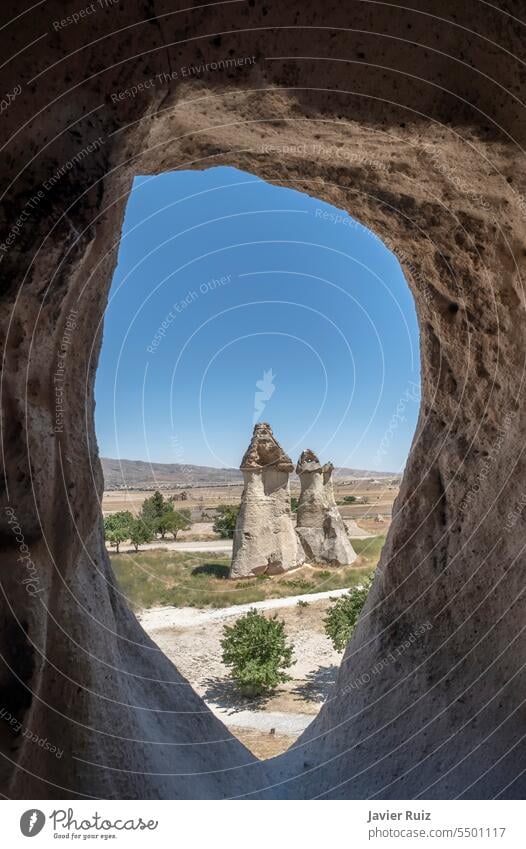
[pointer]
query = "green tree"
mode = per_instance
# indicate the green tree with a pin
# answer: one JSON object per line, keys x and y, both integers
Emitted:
{"x": 140, "y": 532}
{"x": 225, "y": 521}
{"x": 343, "y": 615}
{"x": 152, "y": 510}
{"x": 117, "y": 528}
{"x": 163, "y": 522}
{"x": 294, "y": 504}
{"x": 175, "y": 521}
{"x": 255, "y": 648}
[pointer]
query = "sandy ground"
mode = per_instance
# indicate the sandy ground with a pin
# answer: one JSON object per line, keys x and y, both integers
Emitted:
{"x": 191, "y": 638}
{"x": 374, "y": 497}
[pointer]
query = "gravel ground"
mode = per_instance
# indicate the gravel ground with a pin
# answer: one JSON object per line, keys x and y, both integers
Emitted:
{"x": 191, "y": 638}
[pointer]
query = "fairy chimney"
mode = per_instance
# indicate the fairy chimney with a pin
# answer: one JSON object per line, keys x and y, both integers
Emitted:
{"x": 320, "y": 526}
{"x": 264, "y": 538}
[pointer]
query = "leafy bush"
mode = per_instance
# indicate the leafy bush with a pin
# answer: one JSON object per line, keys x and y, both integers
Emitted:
{"x": 140, "y": 533}
{"x": 172, "y": 521}
{"x": 117, "y": 527}
{"x": 256, "y": 650}
{"x": 299, "y": 584}
{"x": 341, "y": 619}
{"x": 293, "y": 504}
{"x": 153, "y": 510}
{"x": 225, "y": 521}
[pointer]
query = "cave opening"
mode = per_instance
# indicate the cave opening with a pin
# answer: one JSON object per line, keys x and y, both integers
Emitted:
{"x": 236, "y": 302}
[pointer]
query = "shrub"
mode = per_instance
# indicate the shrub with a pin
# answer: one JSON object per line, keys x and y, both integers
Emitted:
{"x": 299, "y": 584}
{"x": 152, "y": 510}
{"x": 294, "y": 504}
{"x": 341, "y": 619}
{"x": 117, "y": 528}
{"x": 225, "y": 521}
{"x": 256, "y": 650}
{"x": 172, "y": 521}
{"x": 140, "y": 533}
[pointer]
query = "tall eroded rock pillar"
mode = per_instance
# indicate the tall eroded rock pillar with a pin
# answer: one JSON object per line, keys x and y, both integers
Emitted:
{"x": 320, "y": 527}
{"x": 264, "y": 538}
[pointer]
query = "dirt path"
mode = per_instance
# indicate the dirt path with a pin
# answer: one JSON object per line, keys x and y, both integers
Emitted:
{"x": 191, "y": 637}
{"x": 223, "y": 546}
{"x": 156, "y": 618}
{"x": 288, "y": 724}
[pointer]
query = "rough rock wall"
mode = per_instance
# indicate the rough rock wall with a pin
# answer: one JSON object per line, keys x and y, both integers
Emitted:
{"x": 264, "y": 538}
{"x": 320, "y": 527}
{"x": 412, "y": 120}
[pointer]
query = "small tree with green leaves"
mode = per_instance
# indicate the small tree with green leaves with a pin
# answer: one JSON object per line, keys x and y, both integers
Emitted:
{"x": 175, "y": 521}
{"x": 342, "y": 617}
{"x": 293, "y": 504}
{"x": 255, "y": 648}
{"x": 117, "y": 528}
{"x": 225, "y": 521}
{"x": 163, "y": 523}
{"x": 152, "y": 510}
{"x": 140, "y": 533}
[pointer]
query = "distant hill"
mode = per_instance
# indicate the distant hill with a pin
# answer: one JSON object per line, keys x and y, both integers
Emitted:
{"x": 139, "y": 474}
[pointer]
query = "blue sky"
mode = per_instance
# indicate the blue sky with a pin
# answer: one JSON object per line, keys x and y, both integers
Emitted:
{"x": 235, "y": 301}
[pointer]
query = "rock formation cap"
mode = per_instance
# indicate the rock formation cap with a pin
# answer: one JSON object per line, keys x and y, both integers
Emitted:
{"x": 264, "y": 450}
{"x": 308, "y": 462}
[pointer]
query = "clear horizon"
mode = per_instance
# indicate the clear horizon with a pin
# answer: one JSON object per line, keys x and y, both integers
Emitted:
{"x": 228, "y": 468}
{"x": 235, "y": 301}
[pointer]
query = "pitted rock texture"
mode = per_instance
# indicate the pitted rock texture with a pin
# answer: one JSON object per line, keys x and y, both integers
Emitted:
{"x": 264, "y": 538}
{"x": 320, "y": 527}
{"x": 265, "y": 451}
{"x": 411, "y": 118}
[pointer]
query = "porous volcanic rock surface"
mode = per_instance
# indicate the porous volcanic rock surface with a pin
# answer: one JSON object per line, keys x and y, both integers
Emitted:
{"x": 410, "y": 118}
{"x": 320, "y": 527}
{"x": 265, "y": 541}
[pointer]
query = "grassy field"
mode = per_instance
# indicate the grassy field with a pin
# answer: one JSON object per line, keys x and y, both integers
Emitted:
{"x": 196, "y": 579}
